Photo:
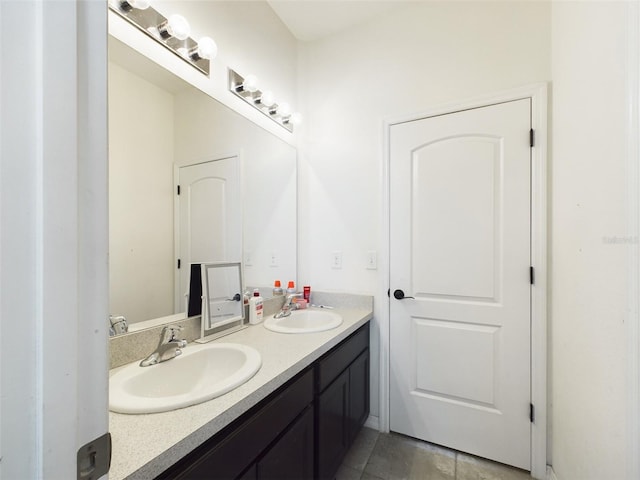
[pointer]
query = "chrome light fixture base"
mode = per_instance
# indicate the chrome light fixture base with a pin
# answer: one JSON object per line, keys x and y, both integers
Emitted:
{"x": 236, "y": 82}
{"x": 148, "y": 21}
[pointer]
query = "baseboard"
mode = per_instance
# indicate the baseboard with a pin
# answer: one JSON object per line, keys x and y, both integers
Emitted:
{"x": 551, "y": 475}
{"x": 373, "y": 422}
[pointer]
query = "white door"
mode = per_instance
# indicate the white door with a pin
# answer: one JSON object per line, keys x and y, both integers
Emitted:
{"x": 210, "y": 217}
{"x": 460, "y": 244}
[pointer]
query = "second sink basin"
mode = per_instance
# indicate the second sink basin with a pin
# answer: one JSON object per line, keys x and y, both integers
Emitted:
{"x": 304, "y": 321}
{"x": 201, "y": 373}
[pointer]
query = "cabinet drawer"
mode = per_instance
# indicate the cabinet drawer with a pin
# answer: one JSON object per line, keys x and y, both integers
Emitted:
{"x": 229, "y": 457}
{"x": 330, "y": 366}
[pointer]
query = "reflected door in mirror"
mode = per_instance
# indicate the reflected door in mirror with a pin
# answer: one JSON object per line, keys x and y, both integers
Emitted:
{"x": 209, "y": 223}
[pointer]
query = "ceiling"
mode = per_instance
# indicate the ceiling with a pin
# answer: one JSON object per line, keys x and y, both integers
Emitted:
{"x": 314, "y": 19}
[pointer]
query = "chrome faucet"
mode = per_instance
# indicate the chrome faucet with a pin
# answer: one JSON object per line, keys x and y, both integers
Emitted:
{"x": 168, "y": 348}
{"x": 289, "y": 305}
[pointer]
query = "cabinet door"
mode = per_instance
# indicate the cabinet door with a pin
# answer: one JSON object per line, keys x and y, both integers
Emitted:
{"x": 250, "y": 474}
{"x": 358, "y": 394}
{"x": 333, "y": 426}
{"x": 291, "y": 458}
{"x": 227, "y": 456}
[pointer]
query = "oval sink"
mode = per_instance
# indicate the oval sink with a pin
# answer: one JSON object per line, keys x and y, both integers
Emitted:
{"x": 304, "y": 321}
{"x": 201, "y": 373}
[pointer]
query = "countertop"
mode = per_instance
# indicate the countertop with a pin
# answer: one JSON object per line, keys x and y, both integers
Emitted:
{"x": 146, "y": 445}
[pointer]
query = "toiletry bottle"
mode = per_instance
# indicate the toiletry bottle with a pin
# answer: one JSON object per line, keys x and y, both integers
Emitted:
{"x": 246, "y": 296}
{"x": 255, "y": 308}
{"x": 277, "y": 289}
{"x": 306, "y": 293}
{"x": 291, "y": 287}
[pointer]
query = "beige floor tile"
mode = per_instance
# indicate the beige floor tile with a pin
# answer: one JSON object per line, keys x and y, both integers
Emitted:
{"x": 396, "y": 457}
{"x": 474, "y": 468}
{"x": 368, "y": 476}
{"x": 347, "y": 473}
{"x": 361, "y": 450}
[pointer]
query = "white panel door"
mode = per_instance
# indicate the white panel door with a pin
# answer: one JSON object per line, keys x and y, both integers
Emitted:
{"x": 210, "y": 218}
{"x": 460, "y": 245}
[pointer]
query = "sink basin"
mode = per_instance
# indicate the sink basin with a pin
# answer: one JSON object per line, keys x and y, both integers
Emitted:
{"x": 304, "y": 321}
{"x": 201, "y": 373}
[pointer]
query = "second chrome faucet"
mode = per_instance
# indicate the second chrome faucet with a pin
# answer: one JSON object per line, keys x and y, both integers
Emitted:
{"x": 289, "y": 305}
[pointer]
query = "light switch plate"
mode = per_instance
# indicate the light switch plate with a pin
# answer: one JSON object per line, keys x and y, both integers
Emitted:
{"x": 336, "y": 260}
{"x": 372, "y": 260}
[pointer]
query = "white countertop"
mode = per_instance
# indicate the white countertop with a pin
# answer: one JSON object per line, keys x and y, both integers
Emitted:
{"x": 146, "y": 445}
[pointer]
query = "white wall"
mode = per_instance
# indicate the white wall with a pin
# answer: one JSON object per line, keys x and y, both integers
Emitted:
{"x": 141, "y": 144}
{"x": 405, "y": 62}
{"x": 590, "y": 235}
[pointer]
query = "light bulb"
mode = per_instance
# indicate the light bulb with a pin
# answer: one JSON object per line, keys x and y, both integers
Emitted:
{"x": 207, "y": 48}
{"x": 250, "y": 83}
{"x": 295, "y": 118}
{"x": 176, "y": 26}
{"x": 139, "y": 4}
{"x": 284, "y": 110}
{"x": 267, "y": 99}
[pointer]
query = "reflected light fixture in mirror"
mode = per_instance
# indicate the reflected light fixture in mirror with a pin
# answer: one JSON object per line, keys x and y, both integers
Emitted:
{"x": 247, "y": 89}
{"x": 172, "y": 32}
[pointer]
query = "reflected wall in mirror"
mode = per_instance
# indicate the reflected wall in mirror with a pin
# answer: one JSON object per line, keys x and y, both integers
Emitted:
{"x": 158, "y": 123}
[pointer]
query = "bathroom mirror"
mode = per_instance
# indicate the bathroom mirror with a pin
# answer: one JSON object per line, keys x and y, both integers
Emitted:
{"x": 157, "y": 124}
{"x": 222, "y": 304}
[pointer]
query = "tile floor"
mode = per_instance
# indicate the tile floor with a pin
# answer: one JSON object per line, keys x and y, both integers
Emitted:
{"x": 381, "y": 456}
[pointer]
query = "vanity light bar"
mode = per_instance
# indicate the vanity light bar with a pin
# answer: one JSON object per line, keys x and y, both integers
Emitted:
{"x": 247, "y": 89}
{"x": 173, "y": 32}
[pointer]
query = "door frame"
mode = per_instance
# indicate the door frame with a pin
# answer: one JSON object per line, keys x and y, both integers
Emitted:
{"x": 54, "y": 239}
{"x": 538, "y": 95}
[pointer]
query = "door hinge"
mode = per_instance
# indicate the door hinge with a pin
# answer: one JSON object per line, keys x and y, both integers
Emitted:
{"x": 532, "y": 137}
{"x": 179, "y": 263}
{"x": 532, "y": 413}
{"x": 94, "y": 458}
{"x": 532, "y": 276}
{"x": 178, "y": 189}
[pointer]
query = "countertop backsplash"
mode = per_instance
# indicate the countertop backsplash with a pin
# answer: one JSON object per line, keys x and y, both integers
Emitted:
{"x": 135, "y": 346}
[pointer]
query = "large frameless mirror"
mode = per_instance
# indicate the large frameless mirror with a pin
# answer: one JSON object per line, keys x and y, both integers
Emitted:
{"x": 159, "y": 128}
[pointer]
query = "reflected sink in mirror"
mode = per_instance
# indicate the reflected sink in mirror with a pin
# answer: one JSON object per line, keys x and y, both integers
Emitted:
{"x": 201, "y": 373}
{"x": 304, "y": 321}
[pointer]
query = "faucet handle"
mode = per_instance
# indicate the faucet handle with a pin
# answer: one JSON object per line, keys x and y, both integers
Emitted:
{"x": 169, "y": 332}
{"x": 117, "y": 325}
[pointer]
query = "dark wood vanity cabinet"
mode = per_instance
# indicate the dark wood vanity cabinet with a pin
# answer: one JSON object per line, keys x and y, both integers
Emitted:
{"x": 300, "y": 432}
{"x": 342, "y": 401}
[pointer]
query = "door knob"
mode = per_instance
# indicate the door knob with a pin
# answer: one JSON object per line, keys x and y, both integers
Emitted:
{"x": 399, "y": 295}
